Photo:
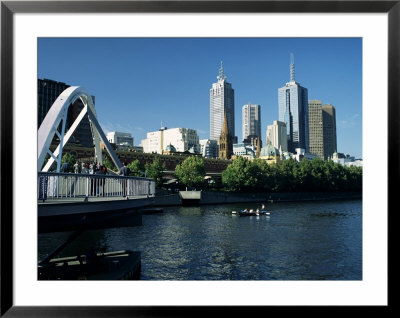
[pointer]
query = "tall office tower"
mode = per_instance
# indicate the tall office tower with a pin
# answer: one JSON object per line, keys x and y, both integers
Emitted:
{"x": 322, "y": 129}
{"x": 315, "y": 124}
{"x": 48, "y": 92}
{"x": 251, "y": 122}
{"x": 221, "y": 102}
{"x": 293, "y": 110}
{"x": 329, "y": 120}
{"x": 276, "y": 135}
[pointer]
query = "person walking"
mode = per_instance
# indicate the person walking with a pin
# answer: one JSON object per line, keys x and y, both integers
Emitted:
{"x": 76, "y": 167}
{"x": 85, "y": 168}
{"x": 125, "y": 171}
{"x": 92, "y": 181}
{"x": 104, "y": 172}
{"x": 65, "y": 167}
{"x": 99, "y": 181}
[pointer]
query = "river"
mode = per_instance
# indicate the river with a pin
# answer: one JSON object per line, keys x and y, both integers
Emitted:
{"x": 320, "y": 240}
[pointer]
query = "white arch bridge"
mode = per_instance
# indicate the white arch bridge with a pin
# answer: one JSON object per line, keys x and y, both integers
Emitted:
{"x": 56, "y": 187}
{"x": 58, "y": 114}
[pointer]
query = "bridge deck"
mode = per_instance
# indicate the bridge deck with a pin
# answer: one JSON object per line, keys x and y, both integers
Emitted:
{"x": 94, "y": 212}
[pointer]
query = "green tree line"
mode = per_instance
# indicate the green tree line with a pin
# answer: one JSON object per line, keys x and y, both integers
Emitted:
{"x": 289, "y": 175}
{"x": 256, "y": 175}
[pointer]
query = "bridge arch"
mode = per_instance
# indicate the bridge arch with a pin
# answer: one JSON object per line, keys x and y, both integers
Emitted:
{"x": 58, "y": 114}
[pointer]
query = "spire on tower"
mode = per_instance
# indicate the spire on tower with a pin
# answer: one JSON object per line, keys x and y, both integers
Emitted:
{"x": 221, "y": 75}
{"x": 291, "y": 67}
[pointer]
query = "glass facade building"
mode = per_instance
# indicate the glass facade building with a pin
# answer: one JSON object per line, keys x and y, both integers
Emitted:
{"x": 48, "y": 92}
{"x": 293, "y": 111}
{"x": 222, "y": 101}
{"x": 251, "y": 121}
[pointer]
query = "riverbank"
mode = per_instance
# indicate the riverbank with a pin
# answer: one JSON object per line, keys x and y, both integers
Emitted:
{"x": 222, "y": 197}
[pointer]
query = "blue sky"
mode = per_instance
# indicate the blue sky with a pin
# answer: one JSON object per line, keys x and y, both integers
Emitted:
{"x": 140, "y": 83}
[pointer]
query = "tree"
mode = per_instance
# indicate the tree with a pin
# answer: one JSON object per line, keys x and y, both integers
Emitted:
{"x": 109, "y": 164}
{"x": 285, "y": 175}
{"x": 236, "y": 176}
{"x": 265, "y": 178}
{"x": 191, "y": 171}
{"x": 290, "y": 175}
{"x": 155, "y": 171}
{"x": 70, "y": 159}
{"x": 317, "y": 174}
{"x": 136, "y": 168}
{"x": 355, "y": 178}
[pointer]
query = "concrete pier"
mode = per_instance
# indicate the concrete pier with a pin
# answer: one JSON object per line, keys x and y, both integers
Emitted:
{"x": 190, "y": 197}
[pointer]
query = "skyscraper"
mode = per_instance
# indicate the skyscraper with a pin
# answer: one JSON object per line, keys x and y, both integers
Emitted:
{"x": 329, "y": 120}
{"x": 48, "y": 92}
{"x": 251, "y": 121}
{"x": 315, "y": 124}
{"x": 322, "y": 129}
{"x": 221, "y": 102}
{"x": 293, "y": 110}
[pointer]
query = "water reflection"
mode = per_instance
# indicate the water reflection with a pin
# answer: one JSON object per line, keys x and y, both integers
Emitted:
{"x": 297, "y": 241}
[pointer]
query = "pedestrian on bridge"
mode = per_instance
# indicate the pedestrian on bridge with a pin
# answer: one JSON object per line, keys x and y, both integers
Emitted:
{"x": 125, "y": 171}
{"x": 85, "y": 168}
{"x": 65, "y": 167}
{"x": 76, "y": 167}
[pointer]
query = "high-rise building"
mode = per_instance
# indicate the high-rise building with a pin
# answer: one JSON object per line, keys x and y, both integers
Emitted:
{"x": 48, "y": 92}
{"x": 329, "y": 120}
{"x": 222, "y": 102}
{"x": 315, "y": 125}
{"x": 251, "y": 122}
{"x": 183, "y": 139}
{"x": 276, "y": 135}
{"x": 293, "y": 111}
{"x": 322, "y": 129}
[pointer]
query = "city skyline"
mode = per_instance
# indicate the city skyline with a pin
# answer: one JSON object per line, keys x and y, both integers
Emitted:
{"x": 143, "y": 83}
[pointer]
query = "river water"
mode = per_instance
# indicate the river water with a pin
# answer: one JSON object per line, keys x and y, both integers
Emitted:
{"x": 319, "y": 240}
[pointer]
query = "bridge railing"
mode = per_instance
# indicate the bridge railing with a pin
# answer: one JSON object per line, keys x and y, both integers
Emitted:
{"x": 53, "y": 185}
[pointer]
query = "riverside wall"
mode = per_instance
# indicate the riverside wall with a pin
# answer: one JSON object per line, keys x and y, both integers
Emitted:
{"x": 221, "y": 197}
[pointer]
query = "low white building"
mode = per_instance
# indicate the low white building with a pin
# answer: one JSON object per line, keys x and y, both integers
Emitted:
{"x": 209, "y": 148}
{"x": 346, "y": 160}
{"x": 183, "y": 139}
{"x": 120, "y": 138}
{"x": 356, "y": 163}
{"x": 244, "y": 150}
{"x": 299, "y": 155}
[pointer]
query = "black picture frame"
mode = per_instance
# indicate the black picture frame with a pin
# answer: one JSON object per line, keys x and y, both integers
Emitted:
{"x": 9, "y": 8}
